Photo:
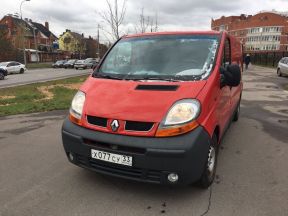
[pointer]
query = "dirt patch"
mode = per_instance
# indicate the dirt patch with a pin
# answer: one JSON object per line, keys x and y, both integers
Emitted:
{"x": 3, "y": 105}
{"x": 46, "y": 90}
{"x": 70, "y": 86}
{"x": 7, "y": 97}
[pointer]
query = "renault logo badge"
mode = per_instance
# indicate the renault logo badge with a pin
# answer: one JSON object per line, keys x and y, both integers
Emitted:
{"x": 114, "y": 125}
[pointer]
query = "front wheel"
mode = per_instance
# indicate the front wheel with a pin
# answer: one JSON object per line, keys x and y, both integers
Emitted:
{"x": 279, "y": 72}
{"x": 21, "y": 71}
{"x": 237, "y": 113}
{"x": 209, "y": 171}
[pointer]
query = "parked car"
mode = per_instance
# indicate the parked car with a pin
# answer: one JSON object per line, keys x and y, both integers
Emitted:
{"x": 70, "y": 63}
{"x": 282, "y": 68}
{"x": 94, "y": 64}
{"x": 3, "y": 73}
{"x": 13, "y": 67}
{"x": 59, "y": 64}
{"x": 89, "y": 59}
{"x": 80, "y": 64}
{"x": 90, "y": 63}
{"x": 165, "y": 125}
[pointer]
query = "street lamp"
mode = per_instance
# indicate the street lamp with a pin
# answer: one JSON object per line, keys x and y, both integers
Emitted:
{"x": 21, "y": 7}
{"x": 24, "y": 55}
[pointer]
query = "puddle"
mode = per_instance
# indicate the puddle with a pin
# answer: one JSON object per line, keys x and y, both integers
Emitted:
{"x": 283, "y": 121}
{"x": 272, "y": 87}
{"x": 283, "y": 111}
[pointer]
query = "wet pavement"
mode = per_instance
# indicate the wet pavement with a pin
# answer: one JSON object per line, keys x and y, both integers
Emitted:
{"x": 252, "y": 178}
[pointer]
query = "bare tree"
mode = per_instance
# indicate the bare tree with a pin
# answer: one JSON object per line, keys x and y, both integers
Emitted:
{"x": 146, "y": 23}
{"x": 114, "y": 17}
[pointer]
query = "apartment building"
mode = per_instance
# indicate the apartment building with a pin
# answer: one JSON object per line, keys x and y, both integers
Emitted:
{"x": 264, "y": 32}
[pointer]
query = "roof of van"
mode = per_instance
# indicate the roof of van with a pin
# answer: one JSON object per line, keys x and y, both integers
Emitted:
{"x": 174, "y": 33}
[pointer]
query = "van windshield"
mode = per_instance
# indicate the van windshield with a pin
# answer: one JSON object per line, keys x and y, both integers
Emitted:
{"x": 168, "y": 57}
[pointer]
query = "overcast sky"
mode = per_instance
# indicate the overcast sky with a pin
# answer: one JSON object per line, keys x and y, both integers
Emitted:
{"x": 172, "y": 14}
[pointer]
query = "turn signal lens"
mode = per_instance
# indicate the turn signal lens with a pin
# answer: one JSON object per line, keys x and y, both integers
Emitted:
{"x": 176, "y": 130}
{"x": 74, "y": 119}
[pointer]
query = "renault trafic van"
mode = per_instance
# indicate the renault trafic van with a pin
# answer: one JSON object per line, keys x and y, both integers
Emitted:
{"x": 156, "y": 107}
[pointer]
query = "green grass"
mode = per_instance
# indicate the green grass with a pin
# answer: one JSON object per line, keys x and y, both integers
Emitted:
{"x": 29, "y": 99}
{"x": 39, "y": 65}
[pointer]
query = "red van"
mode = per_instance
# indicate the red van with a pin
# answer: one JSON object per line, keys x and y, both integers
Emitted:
{"x": 156, "y": 107}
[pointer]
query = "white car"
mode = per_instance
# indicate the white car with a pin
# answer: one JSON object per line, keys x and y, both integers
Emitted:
{"x": 13, "y": 67}
{"x": 282, "y": 68}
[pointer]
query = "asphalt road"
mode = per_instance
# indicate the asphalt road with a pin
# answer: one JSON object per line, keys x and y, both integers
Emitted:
{"x": 40, "y": 75}
{"x": 252, "y": 178}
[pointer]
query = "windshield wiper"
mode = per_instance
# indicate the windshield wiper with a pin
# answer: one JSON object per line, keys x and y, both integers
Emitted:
{"x": 106, "y": 76}
{"x": 155, "y": 78}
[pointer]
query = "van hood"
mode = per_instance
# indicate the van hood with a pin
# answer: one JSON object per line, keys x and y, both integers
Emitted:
{"x": 134, "y": 100}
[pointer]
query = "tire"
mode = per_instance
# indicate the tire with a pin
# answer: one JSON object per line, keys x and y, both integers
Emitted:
{"x": 76, "y": 68}
{"x": 2, "y": 76}
{"x": 237, "y": 113}
{"x": 21, "y": 71}
{"x": 209, "y": 171}
{"x": 279, "y": 72}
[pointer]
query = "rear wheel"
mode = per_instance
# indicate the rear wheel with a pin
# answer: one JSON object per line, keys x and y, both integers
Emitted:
{"x": 279, "y": 72}
{"x": 1, "y": 76}
{"x": 210, "y": 167}
{"x": 21, "y": 71}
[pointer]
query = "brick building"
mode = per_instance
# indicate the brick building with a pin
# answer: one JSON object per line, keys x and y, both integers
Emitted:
{"x": 263, "y": 32}
{"x": 35, "y": 37}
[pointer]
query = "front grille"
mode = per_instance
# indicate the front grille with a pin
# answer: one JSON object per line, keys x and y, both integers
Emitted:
{"x": 81, "y": 159}
{"x": 130, "y": 172}
{"x": 129, "y": 125}
{"x": 138, "y": 126}
{"x": 102, "y": 122}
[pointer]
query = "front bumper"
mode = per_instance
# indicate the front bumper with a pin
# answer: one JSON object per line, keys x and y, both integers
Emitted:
{"x": 153, "y": 158}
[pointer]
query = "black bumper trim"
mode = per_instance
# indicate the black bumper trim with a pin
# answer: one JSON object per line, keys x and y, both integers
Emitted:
{"x": 185, "y": 155}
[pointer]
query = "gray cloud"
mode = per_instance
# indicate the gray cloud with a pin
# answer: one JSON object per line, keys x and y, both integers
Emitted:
{"x": 83, "y": 16}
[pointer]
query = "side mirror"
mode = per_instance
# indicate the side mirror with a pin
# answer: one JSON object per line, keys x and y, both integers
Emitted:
{"x": 230, "y": 76}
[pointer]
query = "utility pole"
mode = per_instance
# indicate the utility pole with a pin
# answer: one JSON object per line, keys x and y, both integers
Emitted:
{"x": 35, "y": 43}
{"x": 24, "y": 54}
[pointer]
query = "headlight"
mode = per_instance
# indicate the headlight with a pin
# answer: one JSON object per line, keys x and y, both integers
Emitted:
{"x": 183, "y": 111}
{"x": 77, "y": 105}
{"x": 180, "y": 118}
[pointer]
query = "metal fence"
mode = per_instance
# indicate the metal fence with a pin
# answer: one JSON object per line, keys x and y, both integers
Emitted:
{"x": 268, "y": 58}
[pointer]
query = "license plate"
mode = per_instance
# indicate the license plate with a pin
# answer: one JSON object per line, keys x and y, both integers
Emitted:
{"x": 112, "y": 158}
